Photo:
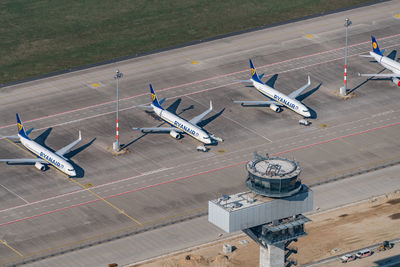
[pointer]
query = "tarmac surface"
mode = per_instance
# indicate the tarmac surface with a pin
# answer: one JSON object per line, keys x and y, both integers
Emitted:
{"x": 162, "y": 179}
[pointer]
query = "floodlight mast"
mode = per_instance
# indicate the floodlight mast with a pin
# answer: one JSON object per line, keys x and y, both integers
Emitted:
{"x": 116, "y": 145}
{"x": 343, "y": 91}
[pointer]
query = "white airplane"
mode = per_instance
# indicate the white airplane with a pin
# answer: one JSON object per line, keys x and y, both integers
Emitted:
{"x": 386, "y": 62}
{"x": 44, "y": 156}
{"x": 278, "y": 99}
{"x": 179, "y": 125}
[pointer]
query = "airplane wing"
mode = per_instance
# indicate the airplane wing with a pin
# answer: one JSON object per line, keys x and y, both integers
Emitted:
{"x": 198, "y": 118}
{"x": 24, "y": 160}
{"x": 296, "y": 93}
{"x": 388, "y": 75}
{"x": 159, "y": 129}
{"x": 257, "y": 102}
{"x": 66, "y": 149}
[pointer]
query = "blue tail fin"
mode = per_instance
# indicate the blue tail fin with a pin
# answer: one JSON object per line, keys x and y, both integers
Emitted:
{"x": 375, "y": 46}
{"x": 21, "y": 130}
{"x": 254, "y": 75}
{"x": 154, "y": 98}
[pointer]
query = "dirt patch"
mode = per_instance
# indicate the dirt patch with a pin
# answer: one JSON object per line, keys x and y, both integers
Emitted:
{"x": 395, "y": 216}
{"x": 329, "y": 233}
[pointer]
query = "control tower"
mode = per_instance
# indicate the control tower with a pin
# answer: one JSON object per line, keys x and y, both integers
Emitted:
{"x": 271, "y": 212}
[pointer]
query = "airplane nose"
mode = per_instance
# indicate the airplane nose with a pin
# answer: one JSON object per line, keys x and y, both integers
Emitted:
{"x": 72, "y": 173}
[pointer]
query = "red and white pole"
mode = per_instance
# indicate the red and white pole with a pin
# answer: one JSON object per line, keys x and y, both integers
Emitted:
{"x": 117, "y": 130}
{"x": 116, "y": 143}
{"x": 343, "y": 90}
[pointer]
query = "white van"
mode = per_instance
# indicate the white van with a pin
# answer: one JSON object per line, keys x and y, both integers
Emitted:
{"x": 363, "y": 253}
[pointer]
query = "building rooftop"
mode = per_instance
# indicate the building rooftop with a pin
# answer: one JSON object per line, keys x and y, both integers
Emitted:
{"x": 273, "y": 167}
{"x": 244, "y": 200}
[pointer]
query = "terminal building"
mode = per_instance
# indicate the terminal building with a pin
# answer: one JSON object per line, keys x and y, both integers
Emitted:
{"x": 271, "y": 213}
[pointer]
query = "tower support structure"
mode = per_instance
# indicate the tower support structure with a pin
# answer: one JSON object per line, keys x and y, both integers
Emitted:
{"x": 272, "y": 222}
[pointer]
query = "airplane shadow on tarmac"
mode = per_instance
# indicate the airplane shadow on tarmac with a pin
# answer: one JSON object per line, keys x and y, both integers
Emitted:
{"x": 80, "y": 173}
{"x": 307, "y": 94}
{"x": 171, "y": 108}
{"x": 367, "y": 80}
{"x": 391, "y": 55}
{"x": 41, "y": 140}
{"x": 208, "y": 120}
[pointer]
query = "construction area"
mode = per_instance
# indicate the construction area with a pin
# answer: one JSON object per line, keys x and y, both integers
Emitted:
{"x": 330, "y": 233}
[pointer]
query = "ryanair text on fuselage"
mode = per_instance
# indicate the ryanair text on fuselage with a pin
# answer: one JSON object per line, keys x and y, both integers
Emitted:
{"x": 53, "y": 161}
{"x": 284, "y": 101}
{"x": 186, "y": 129}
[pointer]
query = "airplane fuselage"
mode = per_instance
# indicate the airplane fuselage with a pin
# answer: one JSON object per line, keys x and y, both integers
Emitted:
{"x": 386, "y": 62}
{"x": 50, "y": 157}
{"x": 192, "y": 130}
{"x": 283, "y": 99}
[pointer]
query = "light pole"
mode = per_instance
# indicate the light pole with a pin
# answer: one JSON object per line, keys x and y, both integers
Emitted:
{"x": 343, "y": 90}
{"x": 117, "y": 76}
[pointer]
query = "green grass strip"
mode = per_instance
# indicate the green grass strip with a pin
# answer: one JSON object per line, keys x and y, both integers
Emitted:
{"x": 44, "y": 36}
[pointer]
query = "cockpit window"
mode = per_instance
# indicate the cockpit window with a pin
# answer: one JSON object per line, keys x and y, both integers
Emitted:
{"x": 70, "y": 170}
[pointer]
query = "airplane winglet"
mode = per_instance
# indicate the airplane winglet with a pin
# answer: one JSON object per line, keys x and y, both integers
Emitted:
{"x": 80, "y": 135}
{"x": 309, "y": 80}
{"x": 211, "y": 107}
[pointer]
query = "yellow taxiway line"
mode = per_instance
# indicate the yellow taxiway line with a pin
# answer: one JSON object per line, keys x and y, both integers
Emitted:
{"x": 111, "y": 205}
{"x": 10, "y": 247}
{"x": 84, "y": 187}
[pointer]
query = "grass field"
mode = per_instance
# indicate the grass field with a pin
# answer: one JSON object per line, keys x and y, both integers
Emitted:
{"x": 45, "y": 36}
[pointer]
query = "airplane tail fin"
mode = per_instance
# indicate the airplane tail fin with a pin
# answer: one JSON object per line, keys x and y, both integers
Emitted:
{"x": 254, "y": 75}
{"x": 21, "y": 130}
{"x": 375, "y": 46}
{"x": 154, "y": 98}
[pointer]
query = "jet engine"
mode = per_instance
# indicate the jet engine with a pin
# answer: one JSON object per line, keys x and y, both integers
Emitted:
{"x": 396, "y": 81}
{"x": 175, "y": 134}
{"x": 275, "y": 108}
{"x": 40, "y": 166}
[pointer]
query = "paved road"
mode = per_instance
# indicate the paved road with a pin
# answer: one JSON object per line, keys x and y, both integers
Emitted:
{"x": 198, "y": 231}
{"x": 162, "y": 178}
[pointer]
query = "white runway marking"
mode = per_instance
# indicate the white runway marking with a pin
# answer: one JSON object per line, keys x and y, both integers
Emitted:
{"x": 15, "y": 194}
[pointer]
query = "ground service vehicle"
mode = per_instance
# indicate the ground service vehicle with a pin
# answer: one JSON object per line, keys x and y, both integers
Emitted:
{"x": 363, "y": 253}
{"x": 347, "y": 258}
{"x": 304, "y": 122}
{"x": 386, "y": 245}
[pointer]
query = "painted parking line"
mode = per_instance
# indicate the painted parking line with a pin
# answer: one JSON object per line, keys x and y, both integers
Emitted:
{"x": 199, "y": 81}
{"x": 200, "y": 173}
